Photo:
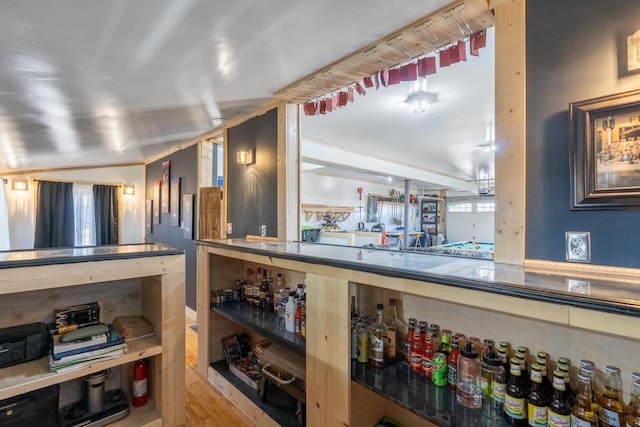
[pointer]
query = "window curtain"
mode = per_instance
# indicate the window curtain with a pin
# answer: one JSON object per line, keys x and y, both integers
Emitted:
{"x": 5, "y": 243}
{"x": 84, "y": 215}
{"x": 55, "y": 226}
{"x": 106, "y": 214}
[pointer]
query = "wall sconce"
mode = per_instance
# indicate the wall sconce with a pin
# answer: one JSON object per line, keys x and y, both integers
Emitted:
{"x": 129, "y": 190}
{"x": 19, "y": 185}
{"x": 245, "y": 157}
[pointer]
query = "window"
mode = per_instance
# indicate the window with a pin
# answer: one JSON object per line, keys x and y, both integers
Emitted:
{"x": 459, "y": 207}
{"x": 486, "y": 207}
{"x": 84, "y": 215}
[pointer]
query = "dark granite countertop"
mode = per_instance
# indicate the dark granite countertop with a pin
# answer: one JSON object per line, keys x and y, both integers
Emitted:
{"x": 602, "y": 294}
{"x": 38, "y": 257}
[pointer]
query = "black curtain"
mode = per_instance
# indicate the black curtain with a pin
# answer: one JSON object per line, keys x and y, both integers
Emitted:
{"x": 105, "y": 198}
{"x": 54, "y": 215}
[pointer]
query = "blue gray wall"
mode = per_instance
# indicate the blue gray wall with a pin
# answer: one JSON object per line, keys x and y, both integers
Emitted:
{"x": 183, "y": 165}
{"x": 253, "y": 189}
{"x": 576, "y": 50}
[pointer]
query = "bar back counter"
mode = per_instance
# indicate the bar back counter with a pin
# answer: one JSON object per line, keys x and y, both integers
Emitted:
{"x": 578, "y": 316}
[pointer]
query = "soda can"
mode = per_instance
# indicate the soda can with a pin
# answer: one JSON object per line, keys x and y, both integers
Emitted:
{"x": 439, "y": 369}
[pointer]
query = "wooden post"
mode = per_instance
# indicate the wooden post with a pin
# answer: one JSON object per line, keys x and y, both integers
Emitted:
{"x": 510, "y": 152}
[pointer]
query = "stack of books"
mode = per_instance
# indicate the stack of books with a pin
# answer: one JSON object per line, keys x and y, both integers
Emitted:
{"x": 79, "y": 339}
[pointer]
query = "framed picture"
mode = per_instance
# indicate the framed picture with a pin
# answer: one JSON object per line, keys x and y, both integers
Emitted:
{"x": 149, "y": 216}
{"x": 605, "y": 152}
{"x": 165, "y": 186}
{"x": 156, "y": 202}
{"x": 175, "y": 202}
{"x": 187, "y": 216}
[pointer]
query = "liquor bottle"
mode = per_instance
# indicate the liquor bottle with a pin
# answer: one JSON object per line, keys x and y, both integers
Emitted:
{"x": 279, "y": 286}
{"x": 515, "y": 410}
{"x": 427, "y": 356}
{"x": 445, "y": 342}
{"x": 264, "y": 288}
{"x": 547, "y": 388}
{"x": 582, "y": 413}
{"x": 610, "y": 411}
{"x": 537, "y": 400}
{"x": 633, "y": 419}
{"x": 417, "y": 348}
{"x": 559, "y": 408}
{"x": 289, "y": 321}
{"x": 377, "y": 339}
{"x": 401, "y": 328}
{"x": 633, "y": 394}
{"x": 354, "y": 311}
{"x": 391, "y": 341}
{"x": 452, "y": 362}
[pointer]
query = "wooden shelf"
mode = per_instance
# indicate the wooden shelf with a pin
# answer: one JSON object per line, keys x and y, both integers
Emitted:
{"x": 26, "y": 377}
{"x": 418, "y": 395}
{"x": 266, "y": 324}
{"x": 280, "y": 406}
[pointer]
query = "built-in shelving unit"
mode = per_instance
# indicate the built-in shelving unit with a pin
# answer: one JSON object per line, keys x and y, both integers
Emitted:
{"x": 127, "y": 280}
{"x": 269, "y": 325}
{"x": 475, "y": 297}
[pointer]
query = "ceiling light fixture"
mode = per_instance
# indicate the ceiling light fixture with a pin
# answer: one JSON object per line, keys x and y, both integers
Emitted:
{"x": 420, "y": 101}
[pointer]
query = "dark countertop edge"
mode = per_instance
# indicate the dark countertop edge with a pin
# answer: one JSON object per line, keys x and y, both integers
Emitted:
{"x": 543, "y": 295}
{"x": 57, "y": 260}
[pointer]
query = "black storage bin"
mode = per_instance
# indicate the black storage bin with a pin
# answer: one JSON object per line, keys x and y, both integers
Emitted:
{"x": 310, "y": 234}
{"x": 36, "y": 408}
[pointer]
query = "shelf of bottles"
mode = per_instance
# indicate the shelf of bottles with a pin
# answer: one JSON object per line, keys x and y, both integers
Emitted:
{"x": 266, "y": 306}
{"x": 267, "y": 324}
{"x": 451, "y": 380}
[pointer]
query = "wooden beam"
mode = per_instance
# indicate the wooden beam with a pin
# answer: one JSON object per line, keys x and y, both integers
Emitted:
{"x": 510, "y": 155}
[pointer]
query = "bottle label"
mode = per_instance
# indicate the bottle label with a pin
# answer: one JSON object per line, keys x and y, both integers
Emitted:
{"x": 377, "y": 349}
{"x": 140, "y": 388}
{"x": 514, "y": 407}
{"x": 557, "y": 420}
{"x": 499, "y": 392}
{"x": 577, "y": 422}
{"x": 390, "y": 344}
{"x": 452, "y": 374}
{"x": 427, "y": 366}
{"x": 484, "y": 386}
{"x": 537, "y": 415}
{"x": 609, "y": 417}
{"x": 416, "y": 360}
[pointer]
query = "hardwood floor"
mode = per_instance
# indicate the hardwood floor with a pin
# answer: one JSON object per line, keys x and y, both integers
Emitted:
{"x": 205, "y": 406}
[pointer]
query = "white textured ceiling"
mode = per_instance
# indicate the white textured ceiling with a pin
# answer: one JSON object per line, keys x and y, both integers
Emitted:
{"x": 97, "y": 82}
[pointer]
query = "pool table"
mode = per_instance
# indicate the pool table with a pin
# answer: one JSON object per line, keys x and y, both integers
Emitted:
{"x": 483, "y": 250}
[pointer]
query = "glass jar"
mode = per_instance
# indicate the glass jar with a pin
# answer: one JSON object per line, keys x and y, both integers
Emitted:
{"x": 468, "y": 392}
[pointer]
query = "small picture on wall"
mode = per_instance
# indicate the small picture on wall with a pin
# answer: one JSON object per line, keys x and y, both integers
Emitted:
{"x": 149, "y": 216}
{"x": 187, "y": 216}
{"x": 175, "y": 202}
{"x": 156, "y": 202}
{"x": 165, "y": 186}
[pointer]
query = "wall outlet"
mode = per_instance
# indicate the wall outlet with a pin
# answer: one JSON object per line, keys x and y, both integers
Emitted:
{"x": 578, "y": 246}
{"x": 229, "y": 228}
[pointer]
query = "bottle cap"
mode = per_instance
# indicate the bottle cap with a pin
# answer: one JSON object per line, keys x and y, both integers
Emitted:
{"x": 491, "y": 359}
{"x": 583, "y": 376}
{"x": 583, "y": 363}
{"x": 635, "y": 376}
{"x": 611, "y": 369}
{"x": 468, "y": 351}
{"x": 379, "y": 306}
{"x": 542, "y": 355}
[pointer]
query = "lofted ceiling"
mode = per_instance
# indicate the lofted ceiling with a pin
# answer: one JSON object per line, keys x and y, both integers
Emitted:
{"x": 114, "y": 82}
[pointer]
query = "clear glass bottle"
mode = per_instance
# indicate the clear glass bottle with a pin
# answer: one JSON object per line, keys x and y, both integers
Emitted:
{"x": 401, "y": 329}
{"x": 634, "y": 394}
{"x": 610, "y": 411}
{"x": 537, "y": 399}
{"x": 468, "y": 392}
{"x": 489, "y": 369}
{"x": 559, "y": 408}
{"x": 582, "y": 413}
{"x": 515, "y": 409}
{"x": 633, "y": 419}
{"x": 377, "y": 339}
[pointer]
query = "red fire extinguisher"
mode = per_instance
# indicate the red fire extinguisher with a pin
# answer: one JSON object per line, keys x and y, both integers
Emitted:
{"x": 140, "y": 383}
